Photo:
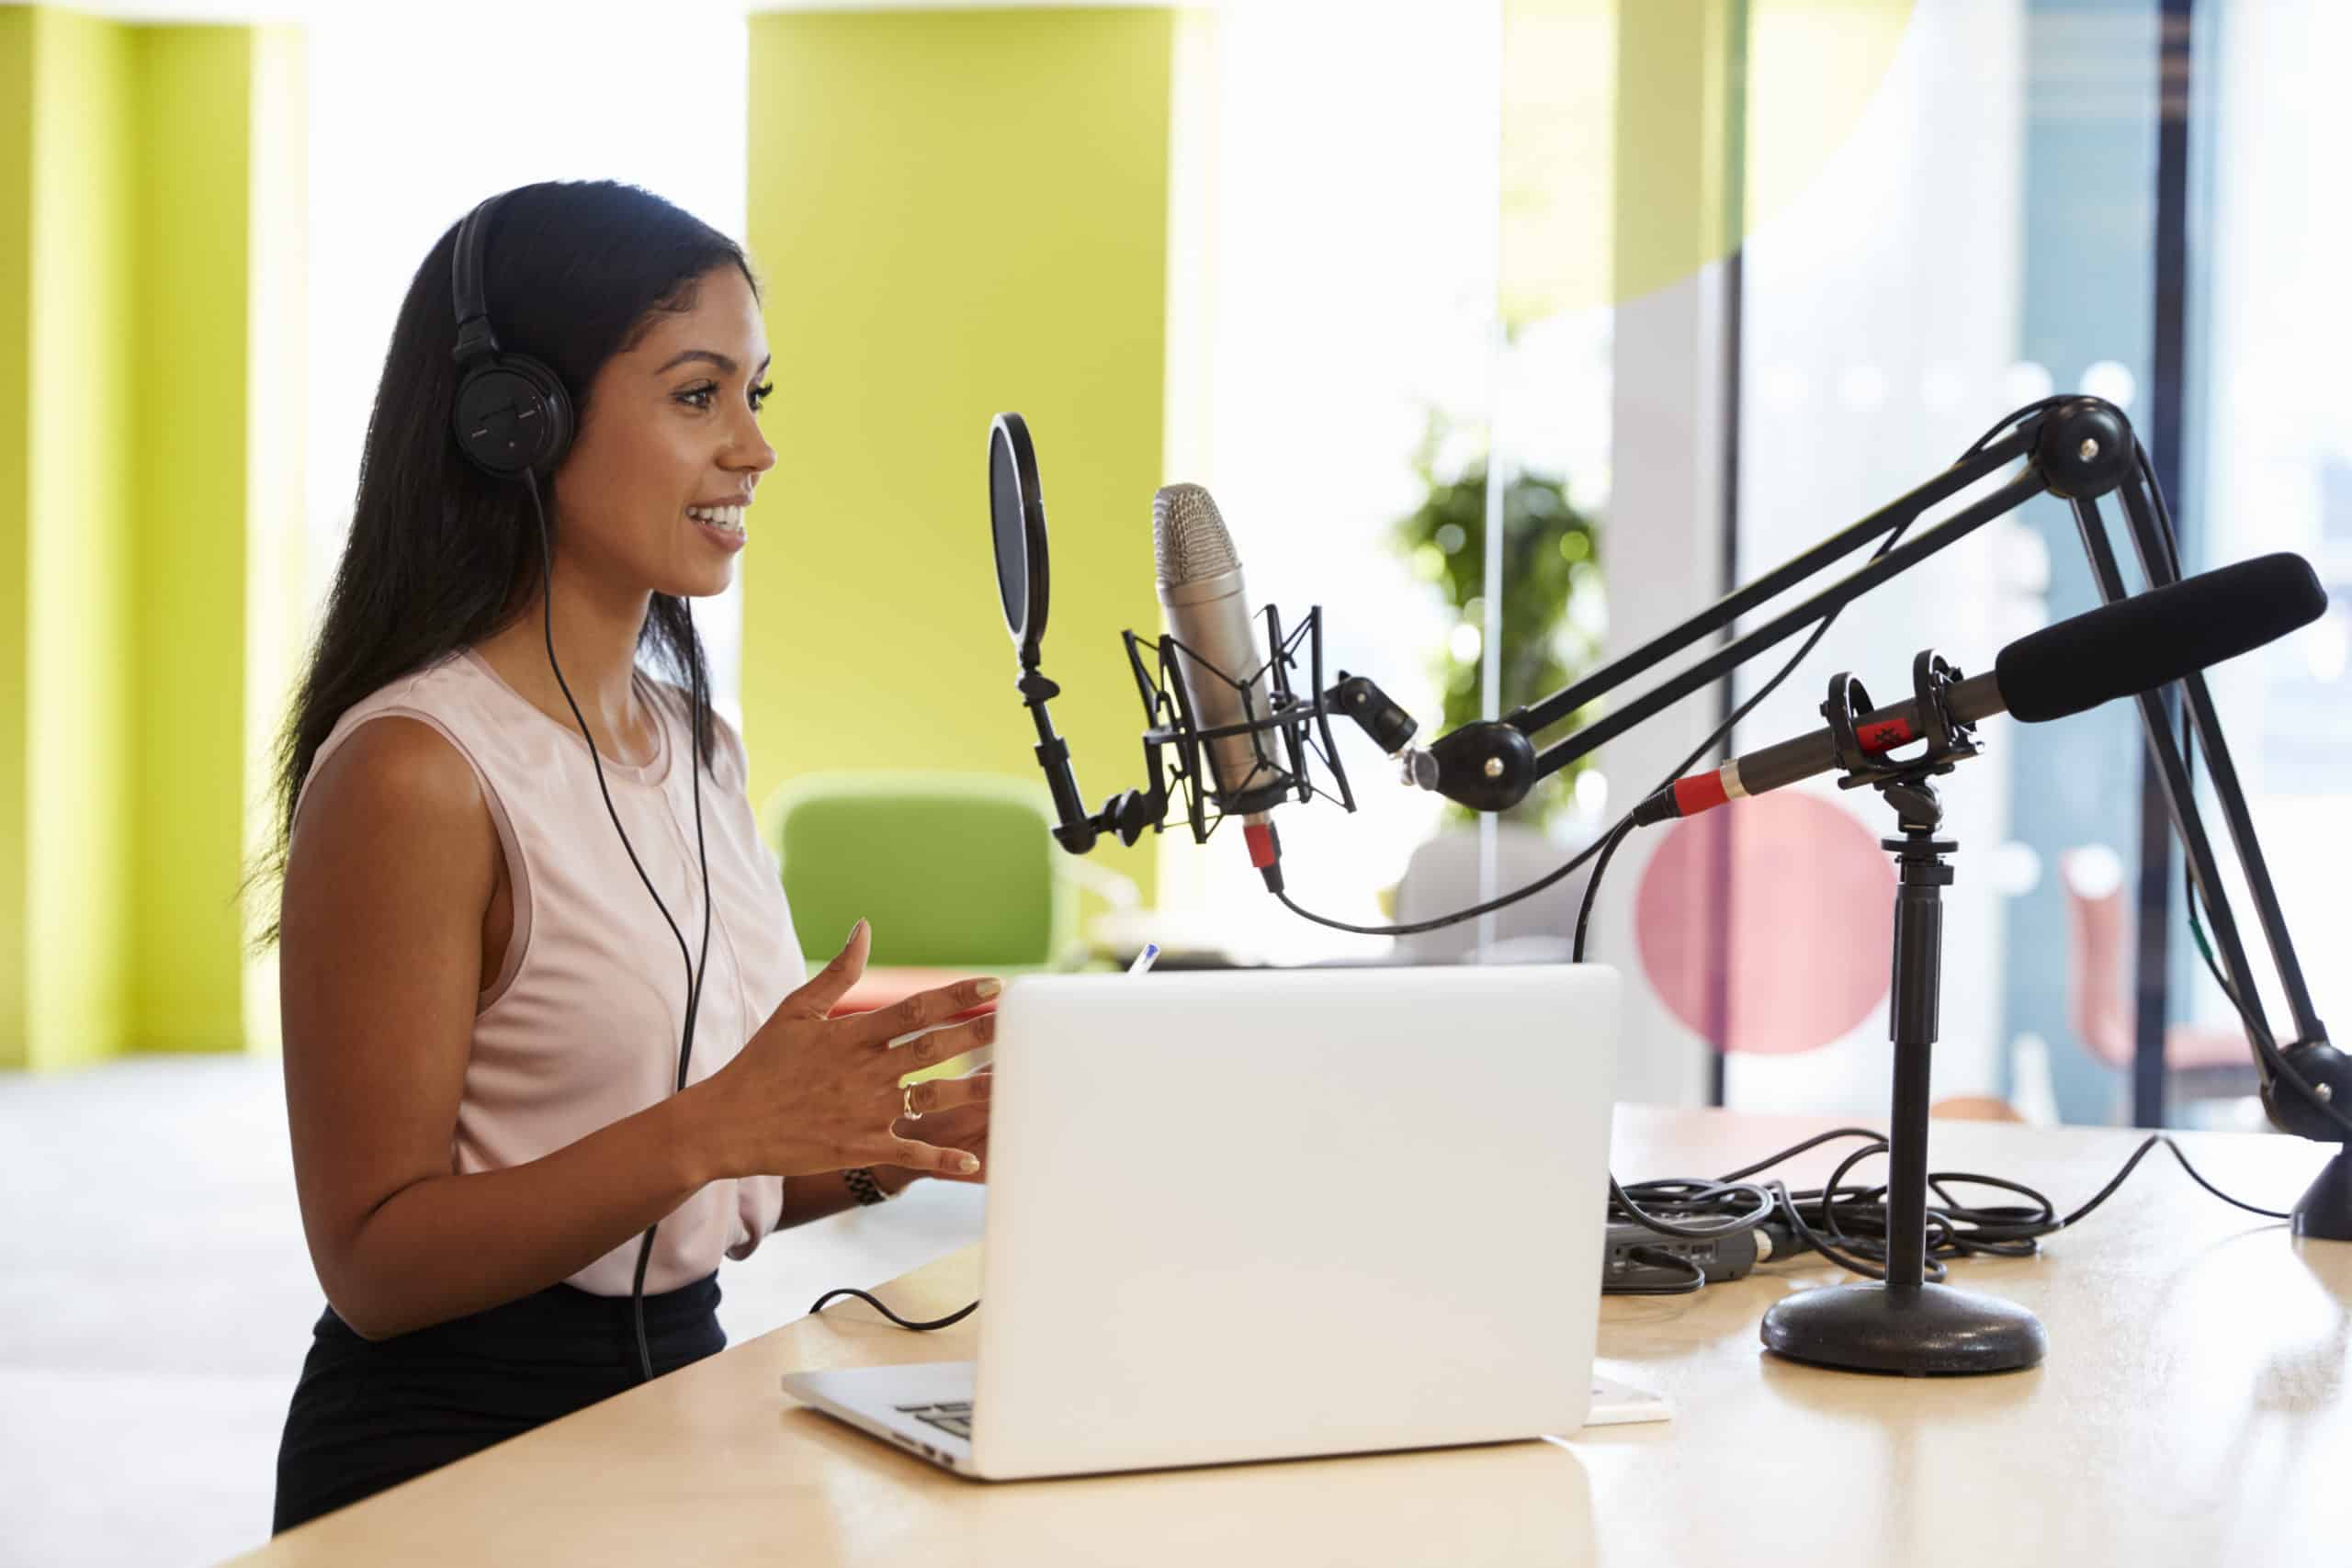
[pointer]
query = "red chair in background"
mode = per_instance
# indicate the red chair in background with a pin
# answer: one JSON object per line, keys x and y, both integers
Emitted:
{"x": 2203, "y": 1061}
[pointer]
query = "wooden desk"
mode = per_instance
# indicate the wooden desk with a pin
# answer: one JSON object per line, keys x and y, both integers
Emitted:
{"x": 2193, "y": 1410}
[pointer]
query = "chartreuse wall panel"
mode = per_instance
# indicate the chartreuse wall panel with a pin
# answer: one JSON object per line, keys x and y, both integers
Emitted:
{"x": 955, "y": 212}
{"x": 127, "y": 500}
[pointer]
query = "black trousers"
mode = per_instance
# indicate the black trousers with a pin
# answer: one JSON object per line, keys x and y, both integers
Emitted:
{"x": 369, "y": 1415}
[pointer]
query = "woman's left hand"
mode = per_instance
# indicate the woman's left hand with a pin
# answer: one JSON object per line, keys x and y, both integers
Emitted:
{"x": 963, "y": 1126}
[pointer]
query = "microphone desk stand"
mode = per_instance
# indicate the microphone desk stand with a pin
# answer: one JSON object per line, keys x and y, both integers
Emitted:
{"x": 1904, "y": 1323}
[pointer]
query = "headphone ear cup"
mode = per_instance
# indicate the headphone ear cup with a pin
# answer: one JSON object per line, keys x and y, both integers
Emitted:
{"x": 511, "y": 416}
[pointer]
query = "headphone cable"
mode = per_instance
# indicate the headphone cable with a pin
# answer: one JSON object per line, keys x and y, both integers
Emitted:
{"x": 694, "y": 976}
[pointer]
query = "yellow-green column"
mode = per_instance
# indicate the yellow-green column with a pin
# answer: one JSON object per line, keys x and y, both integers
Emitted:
{"x": 127, "y": 174}
{"x": 73, "y": 742}
{"x": 955, "y": 213}
{"x": 187, "y": 568}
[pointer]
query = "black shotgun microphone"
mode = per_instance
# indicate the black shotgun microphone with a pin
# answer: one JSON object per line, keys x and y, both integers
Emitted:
{"x": 2121, "y": 649}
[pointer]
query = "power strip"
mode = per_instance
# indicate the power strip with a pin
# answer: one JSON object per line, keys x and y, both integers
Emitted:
{"x": 1719, "y": 1258}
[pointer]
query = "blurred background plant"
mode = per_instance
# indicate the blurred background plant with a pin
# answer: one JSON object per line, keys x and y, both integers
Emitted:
{"x": 1551, "y": 606}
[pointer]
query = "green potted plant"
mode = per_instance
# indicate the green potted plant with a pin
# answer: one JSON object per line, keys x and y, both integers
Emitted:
{"x": 1551, "y": 583}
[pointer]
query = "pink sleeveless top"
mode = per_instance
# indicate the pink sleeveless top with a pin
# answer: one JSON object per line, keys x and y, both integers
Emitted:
{"x": 581, "y": 1027}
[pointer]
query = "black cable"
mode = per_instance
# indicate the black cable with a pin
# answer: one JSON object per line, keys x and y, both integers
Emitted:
{"x": 1657, "y": 1259}
{"x": 1688, "y": 1199}
{"x": 1540, "y": 883}
{"x": 1625, "y": 827}
{"x": 2013, "y": 417}
{"x": 958, "y": 1315}
{"x": 1847, "y": 1223}
{"x": 1617, "y": 836}
{"x": 694, "y": 976}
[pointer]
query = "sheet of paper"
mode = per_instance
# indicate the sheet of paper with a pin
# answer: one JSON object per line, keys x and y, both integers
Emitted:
{"x": 1614, "y": 1404}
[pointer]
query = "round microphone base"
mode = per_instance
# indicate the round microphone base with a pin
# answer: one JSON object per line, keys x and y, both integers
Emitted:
{"x": 2324, "y": 1212}
{"x": 1920, "y": 1331}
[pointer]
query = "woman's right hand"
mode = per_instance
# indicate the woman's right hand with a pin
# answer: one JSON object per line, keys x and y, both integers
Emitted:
{"x": 810, "y": 1093}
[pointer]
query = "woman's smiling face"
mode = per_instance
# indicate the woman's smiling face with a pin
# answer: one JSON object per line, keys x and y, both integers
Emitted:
{"x": 669, "y": 442}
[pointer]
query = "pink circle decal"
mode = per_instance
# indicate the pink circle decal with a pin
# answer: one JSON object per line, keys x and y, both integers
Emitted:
{"x": 1801, "y": 955}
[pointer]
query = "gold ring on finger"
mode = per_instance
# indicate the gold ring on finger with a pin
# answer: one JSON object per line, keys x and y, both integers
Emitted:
{"x": 908, "y": 1101}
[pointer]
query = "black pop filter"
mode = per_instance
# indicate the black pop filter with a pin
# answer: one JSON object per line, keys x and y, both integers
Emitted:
{"x": 1017, "y": 519}
{"x": 2140, "y": 643}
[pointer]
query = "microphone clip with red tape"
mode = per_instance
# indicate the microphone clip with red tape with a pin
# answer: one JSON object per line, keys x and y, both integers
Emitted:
{"x": 1942, "y": 712}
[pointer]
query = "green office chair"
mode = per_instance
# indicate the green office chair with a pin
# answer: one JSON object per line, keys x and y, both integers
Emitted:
{"x": 956, "y": 871}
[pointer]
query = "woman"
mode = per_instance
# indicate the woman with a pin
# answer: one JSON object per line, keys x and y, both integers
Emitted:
{"x": 517, "y": 1108}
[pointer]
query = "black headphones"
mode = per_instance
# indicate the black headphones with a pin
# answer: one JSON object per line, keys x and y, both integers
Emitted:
{"x": 511, "y": 416}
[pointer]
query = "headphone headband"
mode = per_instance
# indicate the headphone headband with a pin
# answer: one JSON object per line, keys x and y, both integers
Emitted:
{"x": 466, "y": 280}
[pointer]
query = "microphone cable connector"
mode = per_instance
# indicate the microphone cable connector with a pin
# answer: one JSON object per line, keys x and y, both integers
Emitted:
{"x": 1265, "y": 852}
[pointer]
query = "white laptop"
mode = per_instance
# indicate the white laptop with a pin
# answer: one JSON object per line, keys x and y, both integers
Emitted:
{"x": 1253, "y": 1215}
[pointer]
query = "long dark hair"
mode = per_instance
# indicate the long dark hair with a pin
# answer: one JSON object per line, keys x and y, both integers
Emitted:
{"x": 441, "y": 555}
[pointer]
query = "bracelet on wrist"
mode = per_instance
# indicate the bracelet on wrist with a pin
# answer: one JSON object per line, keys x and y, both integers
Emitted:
{"x": 863, "y": 1187}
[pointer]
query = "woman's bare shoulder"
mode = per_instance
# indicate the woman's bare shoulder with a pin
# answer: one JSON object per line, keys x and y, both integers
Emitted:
{"x": 398, "y": 783}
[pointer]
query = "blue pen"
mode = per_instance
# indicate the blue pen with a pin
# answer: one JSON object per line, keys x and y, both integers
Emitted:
{"x": 1145, "y": 959}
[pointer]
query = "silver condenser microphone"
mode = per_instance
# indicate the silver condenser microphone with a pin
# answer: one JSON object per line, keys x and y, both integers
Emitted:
{"x": 1208, "y": 613}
